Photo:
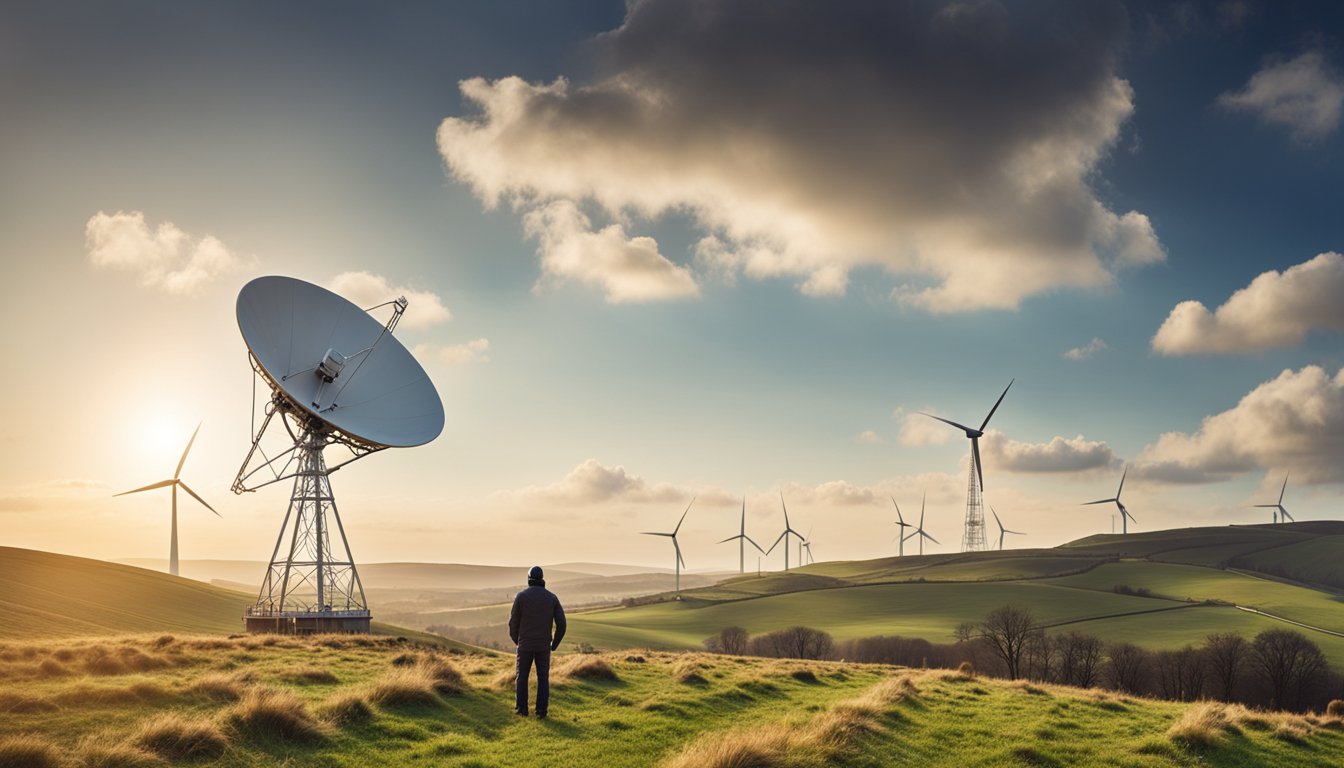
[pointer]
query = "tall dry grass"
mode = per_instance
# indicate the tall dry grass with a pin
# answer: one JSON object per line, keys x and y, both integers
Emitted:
{"x": 818, "y": 742}
{"x": 100, "y": 752}
{"x": 28, "y": 752}
{"x": 269, "y": 713}
{"x": 177, "y": 737}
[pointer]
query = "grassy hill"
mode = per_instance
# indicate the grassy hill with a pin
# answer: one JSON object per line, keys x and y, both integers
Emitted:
{"x": 352, "y": 701}
{"x": 43, "y": 594}
{"x": 1187, "y": 594}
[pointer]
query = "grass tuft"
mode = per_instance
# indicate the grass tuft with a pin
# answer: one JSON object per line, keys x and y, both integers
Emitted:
{"x": 17, "y": 703}
{"x": 50, "y": 668}
{"x": 445, "y": 678}
{"x": 804, "y": 676}
{"x": 28, "y": 752}
{"x": 1293, "y": 732}
{"x": 1335, "y": 708}
{"x": 274, "y": 714}
{"x": 311, "y": 676}
{"x": 404, "y": 687}
{"x": 585, "y": 667}
{"x": 1202, "y": 726}
{"x": 93, "y": 752}
{"x": 174, "y": 738}
{"x": 218, "y": 687}
{"x": 347, "y": 709}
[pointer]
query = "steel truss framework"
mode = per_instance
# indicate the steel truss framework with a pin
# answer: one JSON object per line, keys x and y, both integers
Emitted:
{"x": 973, "y": 536}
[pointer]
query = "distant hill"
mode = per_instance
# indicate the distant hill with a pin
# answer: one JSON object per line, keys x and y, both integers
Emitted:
{"x": 1161, "y": 589}
{"x": 43, "y": 594}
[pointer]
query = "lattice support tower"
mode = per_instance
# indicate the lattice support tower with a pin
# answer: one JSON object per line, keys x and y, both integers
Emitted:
{"x": 309, "y": 586}
{"x": 973, "y": 537}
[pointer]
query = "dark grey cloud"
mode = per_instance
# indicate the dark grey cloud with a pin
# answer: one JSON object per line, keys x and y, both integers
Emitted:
{"x": 950, "y": 144}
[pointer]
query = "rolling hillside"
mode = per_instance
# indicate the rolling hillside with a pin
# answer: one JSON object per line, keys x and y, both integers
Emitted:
{"x": 49, "y": 595}
{"x": 359, "y": 701}
{"x": 1174, "y": 592}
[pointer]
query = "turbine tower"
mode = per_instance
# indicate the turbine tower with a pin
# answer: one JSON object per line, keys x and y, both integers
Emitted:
{"x": 678, "y": 563}
{"x": 973, "y": 537}
{"x": 742, "y": 539}
{"x": 785, "y": 535}
{"x": 1280, "y": 514}
{"x": 920, "y": 530}
{"x": 806, "y": 544}
{"x": 1125, "y": 517}
{"x": 900, "y": 532}
{"x": 1002, "y": 530}
{"x": 175, "y": 483}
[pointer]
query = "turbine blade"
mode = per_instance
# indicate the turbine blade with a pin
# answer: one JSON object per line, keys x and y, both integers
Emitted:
{"x": 898, "y": 511}
{"x": 652, "y": 533}
{"x": 922, "y": 499}
{"x": 677, "y": 547}
{"x": 979, "y": 468}
{"x": 930, "y": 538}
{"x": 1122, "y": 481}
{"x": 1284, "y": 513}
{"x": 730, "y": 538}
{"x": 1266, "y": 506}
{"x": 683, "y": 517}
{"x": 962, "y": 427}
{"x": 786, "y": 510}
{"x": 1284, "y": 489}
{"x": 187, "y": 488}
{"x": 996, "y": 518}
{"x": 754, "y": 544}
{"x": 187, "y": 450}
{"x": 772, "y": 546}
{"x": 1098, "y": 501}
{"x": 160, "y": 484}
{"x": 996, "y": 407}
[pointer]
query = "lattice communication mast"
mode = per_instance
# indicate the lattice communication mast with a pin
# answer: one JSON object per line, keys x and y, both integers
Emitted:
{"x": 338, "y": 379}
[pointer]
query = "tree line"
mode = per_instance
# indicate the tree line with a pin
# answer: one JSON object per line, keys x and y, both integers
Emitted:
{"x": 1277, "y": 669}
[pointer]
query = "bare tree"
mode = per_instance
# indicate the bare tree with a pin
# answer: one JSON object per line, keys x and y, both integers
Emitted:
{"x": 1127, "y": 667}
{"x": 793, "y": 643}
{"x": 1040, "y": 656}
{"x": 1224, "y": 657}
{"x": 1079, "y": 658}
{"x": 1288, "y": 663}
{"x": 1007, "y": 629}
{"x": 733, "y": 640}
{"x": 1180, "y": 674}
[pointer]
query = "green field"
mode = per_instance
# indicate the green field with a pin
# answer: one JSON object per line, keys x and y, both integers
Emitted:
{"x": 358, "y": 701}
{"x": 1070, "y": 587}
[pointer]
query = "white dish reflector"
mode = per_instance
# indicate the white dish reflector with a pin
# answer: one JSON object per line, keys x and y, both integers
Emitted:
{"x": 301, "y": 333}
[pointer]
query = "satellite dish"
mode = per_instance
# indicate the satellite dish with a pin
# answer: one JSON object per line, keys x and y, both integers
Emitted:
{"x": 335, "y": 362}
{"x": 338, "y": 377}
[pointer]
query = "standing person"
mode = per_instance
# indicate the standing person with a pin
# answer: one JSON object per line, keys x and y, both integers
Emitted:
{"x": 534, "y": 609}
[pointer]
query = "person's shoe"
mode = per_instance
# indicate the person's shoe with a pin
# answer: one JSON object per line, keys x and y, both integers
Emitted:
{"x": 541, "y": 715}
{"x": 521, "y": 713}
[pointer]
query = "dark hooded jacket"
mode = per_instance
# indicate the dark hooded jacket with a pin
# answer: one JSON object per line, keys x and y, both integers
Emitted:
{"x": 534, "y": 609}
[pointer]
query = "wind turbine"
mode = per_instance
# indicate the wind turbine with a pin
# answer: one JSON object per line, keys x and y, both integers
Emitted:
{"x": 742, "y": 539}
{"x": 784, "y": 536}
{"x": 1279, "y": 512}
{"x": 1125, "y": 517}
{"x": 973, "y": 536}
{"x": 900, "y": 532}
{"x": 806, "y": 544}
{"x": 1003, "y": 530}
{"x": 920, "y": 530}
{"x": 673, "y": 536}
{"x": 174, "y": 483}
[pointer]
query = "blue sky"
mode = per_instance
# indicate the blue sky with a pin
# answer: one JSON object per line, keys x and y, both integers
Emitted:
{"x": 591, "y": 388}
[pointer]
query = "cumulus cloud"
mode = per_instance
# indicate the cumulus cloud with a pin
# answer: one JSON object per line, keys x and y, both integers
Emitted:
{"x": 424, "y": 308}
{"x": 947, "y": 145}
{"x": 627, "y": 269}
{"x": 474, "y": 351}
{"x": 869, "y": 437}
{"x": 164, "y": 257}
{"x": 1060, "y": 454}
{"x": 1087, "y": 350}
{"x": 1276, "y": 310}
{"x": 1303, "y": 95}
{"x": 1293, "y": 422}
{"x": 593, "y": 482}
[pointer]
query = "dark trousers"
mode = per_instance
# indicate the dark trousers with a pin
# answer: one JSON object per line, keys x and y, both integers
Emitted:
{"x": 542, "y": 659}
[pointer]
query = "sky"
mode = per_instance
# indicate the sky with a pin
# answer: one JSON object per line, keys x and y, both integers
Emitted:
{"x": 657, "y": 251}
